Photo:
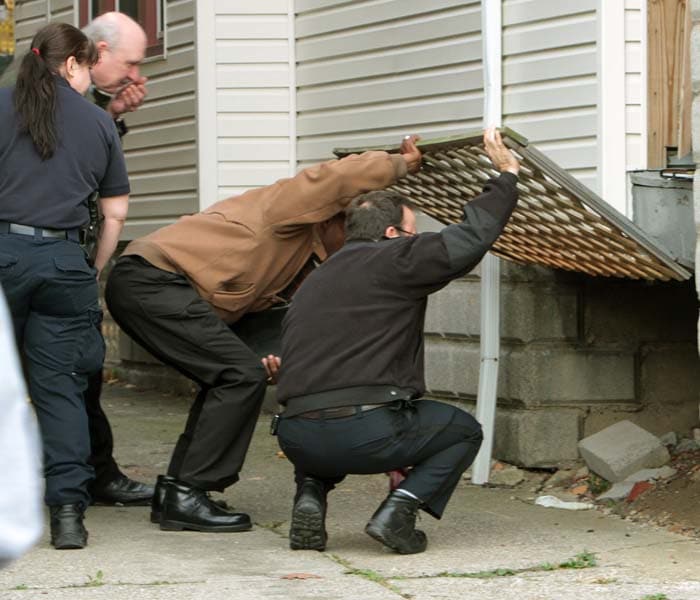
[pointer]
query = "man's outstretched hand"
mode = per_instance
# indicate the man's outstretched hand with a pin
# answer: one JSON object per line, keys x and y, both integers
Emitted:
{"x": 410, "y": 152}
{"x": 501, "y": 157}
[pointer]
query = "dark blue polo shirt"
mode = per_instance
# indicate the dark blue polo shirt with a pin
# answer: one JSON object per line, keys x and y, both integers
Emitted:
{"x": 88, "y": 158}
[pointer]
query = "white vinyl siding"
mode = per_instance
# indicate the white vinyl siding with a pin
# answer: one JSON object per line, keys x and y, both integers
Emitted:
{"x": 30, "y": 16}
{"x": 371, "y": 71}
{"x": 250, "y": 85}
{"x": 550, "y": 85}
{"x": 635, "y": 93}
{"x": 161, "y": 146}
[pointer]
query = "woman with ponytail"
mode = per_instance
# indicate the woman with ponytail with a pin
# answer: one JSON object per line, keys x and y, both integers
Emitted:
{"x": 57, "y": 150}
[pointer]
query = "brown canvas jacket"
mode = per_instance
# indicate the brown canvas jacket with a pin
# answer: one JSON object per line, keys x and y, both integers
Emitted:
{"x": 241, "y": 252}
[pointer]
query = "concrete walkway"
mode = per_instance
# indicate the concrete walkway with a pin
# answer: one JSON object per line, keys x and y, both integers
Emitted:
{"x": 492, "y": 543}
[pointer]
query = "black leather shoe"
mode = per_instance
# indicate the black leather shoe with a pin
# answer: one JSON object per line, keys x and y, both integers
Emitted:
{"x": 188, "y": 507}
{"x": 67, "y": 529}
{"x": 308, "y": 528}
{"x": 159, "y": 496}
{"x": 394, "y": 525}
{"x": 124, "y": 491}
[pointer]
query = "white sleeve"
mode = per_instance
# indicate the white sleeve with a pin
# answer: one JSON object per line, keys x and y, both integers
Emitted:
{"x": 20, "y": 454}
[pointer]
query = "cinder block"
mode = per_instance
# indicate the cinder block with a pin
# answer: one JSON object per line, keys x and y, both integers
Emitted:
{"x": 666, "y": 375}
{"x": 452, "y": 367}
{"x": 529, "y": 311}
{"x": 455, "y": 310}
{"x": 551, "y": 374}
{"x": 536, "y": 312}
{"x": 537, "y": 438}
{"x": 622, "y": 449}
{"x": 626, "y": 313}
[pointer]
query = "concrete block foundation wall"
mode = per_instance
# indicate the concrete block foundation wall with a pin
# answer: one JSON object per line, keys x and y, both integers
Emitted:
{"x": 577, "y": 354}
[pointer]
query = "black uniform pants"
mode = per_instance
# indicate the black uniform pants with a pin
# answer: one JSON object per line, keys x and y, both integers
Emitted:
{"x": 101, "y": 439}
{"x": 52, "y": 294}
{"x": 438, "y": 440}
{"x": 163, "y": 313}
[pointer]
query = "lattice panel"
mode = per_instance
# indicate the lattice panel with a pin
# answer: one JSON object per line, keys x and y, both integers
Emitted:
{"x": 557, "y": 223}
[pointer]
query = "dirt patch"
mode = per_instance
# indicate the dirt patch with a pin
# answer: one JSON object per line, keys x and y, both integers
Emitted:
{"x": 673, "y": 503}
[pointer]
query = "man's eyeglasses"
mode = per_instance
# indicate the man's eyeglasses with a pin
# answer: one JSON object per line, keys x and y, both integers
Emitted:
{"x": 408, "y": 233}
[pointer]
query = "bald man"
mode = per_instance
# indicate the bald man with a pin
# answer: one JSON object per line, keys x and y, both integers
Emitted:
{"x": 118, "y": 88}
{"x": 121, "y": 43}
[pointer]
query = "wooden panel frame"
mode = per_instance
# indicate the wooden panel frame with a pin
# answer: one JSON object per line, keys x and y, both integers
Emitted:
{"x": 558, "y": 222}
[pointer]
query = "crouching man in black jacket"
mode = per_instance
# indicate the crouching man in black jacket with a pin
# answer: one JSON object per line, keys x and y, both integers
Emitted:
{"x": 352, "y": 367}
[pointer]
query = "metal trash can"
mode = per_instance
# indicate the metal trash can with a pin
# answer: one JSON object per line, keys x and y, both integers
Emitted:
{"x": 662, "y": 202}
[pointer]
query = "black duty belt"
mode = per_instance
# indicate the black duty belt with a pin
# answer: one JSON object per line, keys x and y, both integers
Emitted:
{"x": 40, "y": 232}
{"x": 338, "y": 412}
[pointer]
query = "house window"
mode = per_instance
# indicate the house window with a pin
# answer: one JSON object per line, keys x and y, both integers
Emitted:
{"x": 148, "y": 13}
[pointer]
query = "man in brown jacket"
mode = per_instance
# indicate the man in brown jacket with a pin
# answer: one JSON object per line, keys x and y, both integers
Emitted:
{"x": 178, "y": 290}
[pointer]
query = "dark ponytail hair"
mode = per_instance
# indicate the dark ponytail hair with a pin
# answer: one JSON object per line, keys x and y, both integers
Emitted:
{"x": 35, "y": 91}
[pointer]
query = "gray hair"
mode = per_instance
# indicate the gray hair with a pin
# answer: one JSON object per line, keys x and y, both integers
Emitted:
{"x": 104, "y": 28}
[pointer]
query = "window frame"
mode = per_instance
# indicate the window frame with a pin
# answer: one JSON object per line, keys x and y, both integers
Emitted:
{"x": 153, "y": 22}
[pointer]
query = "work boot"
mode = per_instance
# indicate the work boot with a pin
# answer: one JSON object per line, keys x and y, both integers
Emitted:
{"x": 394, "y": 524}
{"x": 159, "y": 496}
{"x": 308, "y": 528}
{"x": 188, "y": 507}
{"x": 67, "y": 529}
{"x": 122, "y": 491}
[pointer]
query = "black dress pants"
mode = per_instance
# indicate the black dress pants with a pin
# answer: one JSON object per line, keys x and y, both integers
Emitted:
{"x": 52, "y": 294}
{"x": 164, "y": 314}
{"x": 260, "y": 331}
{"x": 438, "y": 440}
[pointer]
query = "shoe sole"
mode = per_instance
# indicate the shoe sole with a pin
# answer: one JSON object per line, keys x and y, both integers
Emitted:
{"x": 70, "y": 544}
{"x": 155, "y": 517}
{"x": 138, "y": 502}
{"x": 307, "y": 529}
{"x": 389, "y": 541}
{"x": 168, "y": 525}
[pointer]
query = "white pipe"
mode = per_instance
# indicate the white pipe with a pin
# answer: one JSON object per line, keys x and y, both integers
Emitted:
{"x": 291, "y": 39}
{"x": 491, "y": 28}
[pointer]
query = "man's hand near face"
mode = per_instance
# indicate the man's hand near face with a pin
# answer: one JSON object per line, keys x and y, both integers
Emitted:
{"x": 129, "y": 98}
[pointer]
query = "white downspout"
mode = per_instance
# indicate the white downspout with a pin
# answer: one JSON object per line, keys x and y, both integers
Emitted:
{"x": 291, "y": 39}
{"x": 491, "y": 30}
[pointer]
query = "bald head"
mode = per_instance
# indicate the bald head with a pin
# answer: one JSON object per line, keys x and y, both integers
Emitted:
{"x": 121, "y": 43}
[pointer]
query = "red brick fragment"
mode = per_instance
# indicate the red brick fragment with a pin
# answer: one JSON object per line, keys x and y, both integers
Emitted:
{"x": 639, "y": 488}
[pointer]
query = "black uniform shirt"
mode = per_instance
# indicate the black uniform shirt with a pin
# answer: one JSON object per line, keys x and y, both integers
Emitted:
{"x": 357, "y": 320}
{"x": 88, "y": 158}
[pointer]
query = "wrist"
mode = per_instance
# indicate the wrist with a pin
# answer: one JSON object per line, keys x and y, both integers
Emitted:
{"x": 120, "y": 124}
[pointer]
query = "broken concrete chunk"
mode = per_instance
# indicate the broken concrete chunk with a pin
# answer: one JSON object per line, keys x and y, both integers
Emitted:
{"x": 618, "y": 491}
{"x": 582, "y": 473}
{"x": 652, "y": 474}
{"x": 669, "y": 439}
{"x": 687, "y": 445}
{"x": 622, "y": 449}
{"x": 559, "y": 479}
{"x": 509, "y": 476}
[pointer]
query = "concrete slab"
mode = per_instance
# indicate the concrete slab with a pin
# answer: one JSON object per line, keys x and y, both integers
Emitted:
{"x": 484, "y": 529}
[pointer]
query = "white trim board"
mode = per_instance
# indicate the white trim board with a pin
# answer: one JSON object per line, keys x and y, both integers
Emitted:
{"x": 612, "y": 152}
